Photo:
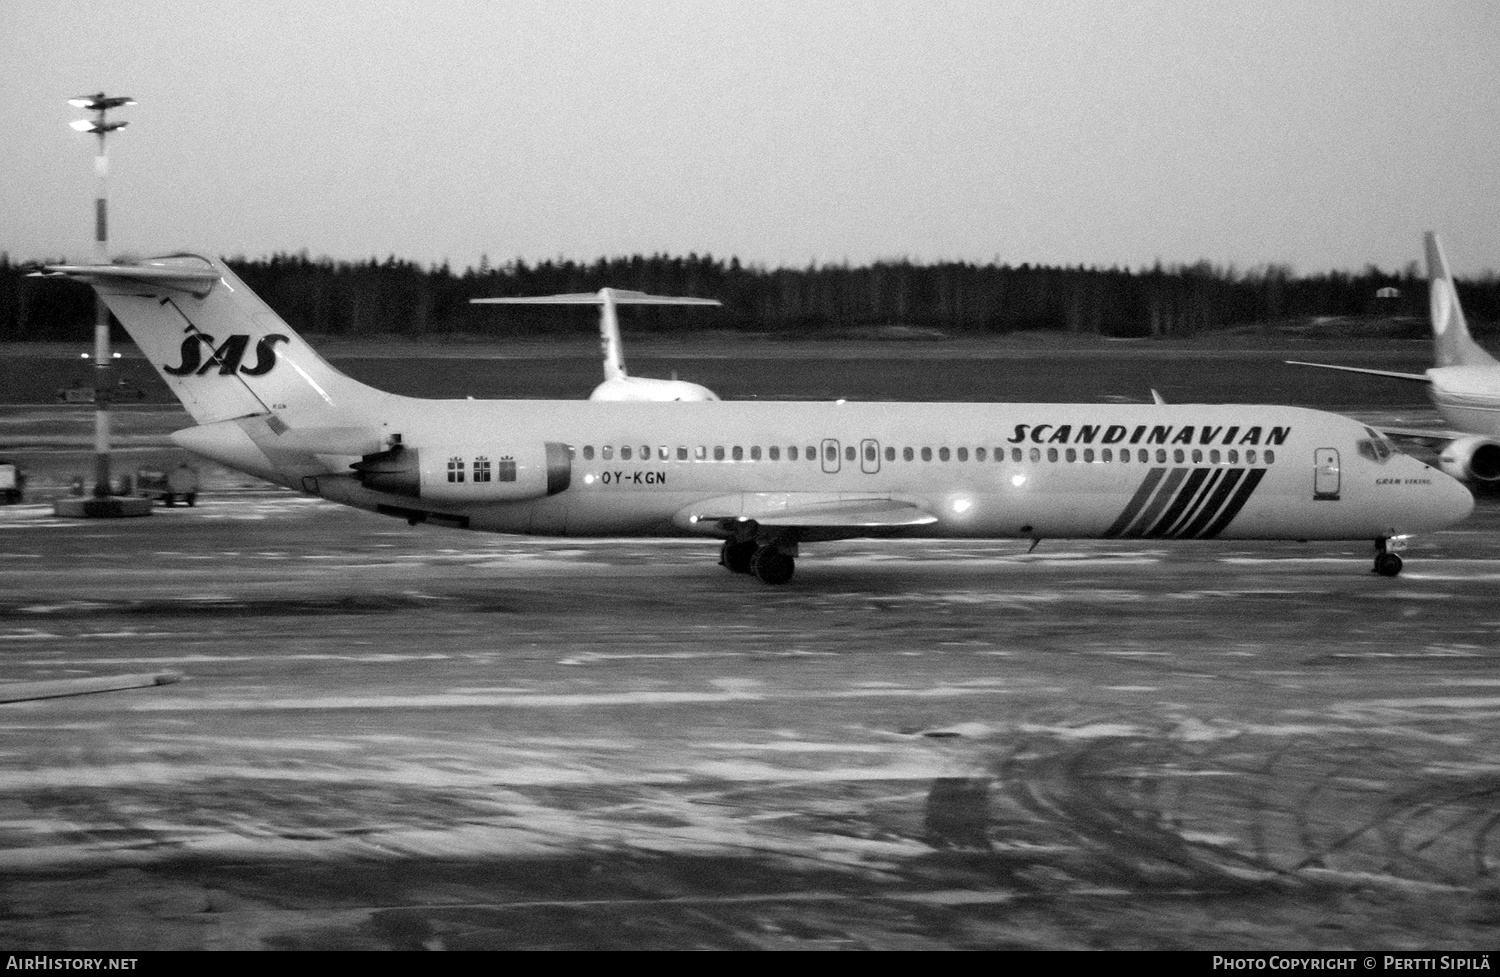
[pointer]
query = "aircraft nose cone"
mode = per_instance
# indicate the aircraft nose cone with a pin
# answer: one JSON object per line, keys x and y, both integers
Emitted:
{"x": 1455, "y": 500}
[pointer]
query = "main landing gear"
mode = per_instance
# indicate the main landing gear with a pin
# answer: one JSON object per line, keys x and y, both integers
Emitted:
{"x": 1387, "y": 563}
{"x": 772, "y": 562}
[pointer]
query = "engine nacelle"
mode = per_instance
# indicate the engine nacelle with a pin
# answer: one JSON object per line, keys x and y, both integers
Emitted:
{"x": 1473, "y": 459}
{"x": 467, "y": 474}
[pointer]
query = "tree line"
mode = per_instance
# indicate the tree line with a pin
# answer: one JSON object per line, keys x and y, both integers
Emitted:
{"x": 393, "y": 296}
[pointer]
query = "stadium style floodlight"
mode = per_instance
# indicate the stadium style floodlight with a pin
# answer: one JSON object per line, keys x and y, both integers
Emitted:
{"x": 103, "y": 503}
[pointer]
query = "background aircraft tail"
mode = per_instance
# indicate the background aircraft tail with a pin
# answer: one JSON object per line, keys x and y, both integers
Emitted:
{"x": 609, "y": 323}
{"x": 1452, "y": 344}
{"x": 219, "y": 348}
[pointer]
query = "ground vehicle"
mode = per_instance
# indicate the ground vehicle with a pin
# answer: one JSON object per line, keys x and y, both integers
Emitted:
{"x": 12, "y": 483}
{"x": 168, "y": 486}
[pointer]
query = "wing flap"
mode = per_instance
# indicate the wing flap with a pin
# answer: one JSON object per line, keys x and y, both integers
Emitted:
{"x": 806, "y": 510}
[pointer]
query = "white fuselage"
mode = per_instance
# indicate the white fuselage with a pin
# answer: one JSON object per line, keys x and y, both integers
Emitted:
{"x": 982, "y": 470}
{"x": 1467, "y": 397}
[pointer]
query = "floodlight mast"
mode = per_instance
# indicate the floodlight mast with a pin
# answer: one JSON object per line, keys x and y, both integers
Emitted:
{"x": 100, "y": 104}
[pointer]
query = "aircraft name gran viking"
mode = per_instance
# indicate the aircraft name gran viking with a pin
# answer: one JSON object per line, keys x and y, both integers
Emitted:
{"x": 1219, "y": 434}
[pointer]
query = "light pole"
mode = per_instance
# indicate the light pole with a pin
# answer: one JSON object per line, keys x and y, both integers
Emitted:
{"x": 103, "y": 504}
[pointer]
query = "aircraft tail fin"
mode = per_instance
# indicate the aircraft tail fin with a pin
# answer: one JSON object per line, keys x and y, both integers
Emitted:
{"x": 220, "y": 349}
{"x": 1452, "y": 344}
{"x": 609, "y": 324}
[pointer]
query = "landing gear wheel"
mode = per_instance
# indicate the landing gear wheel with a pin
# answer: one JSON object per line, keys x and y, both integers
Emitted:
{"x": 1387, "y": 564}
{"x": 737, "y": 557}
{"x": 772, "y": 566}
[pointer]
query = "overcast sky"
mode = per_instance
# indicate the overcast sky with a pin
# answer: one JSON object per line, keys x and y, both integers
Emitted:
{"x": 1315, "y": 133}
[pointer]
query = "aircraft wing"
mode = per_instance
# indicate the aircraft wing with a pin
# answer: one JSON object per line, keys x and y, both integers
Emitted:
{"x": 62, "y": 687}
{"x": 808, "y": 511}
{"x": 1419, "y": 377}
{"x": 1419, "y": 433}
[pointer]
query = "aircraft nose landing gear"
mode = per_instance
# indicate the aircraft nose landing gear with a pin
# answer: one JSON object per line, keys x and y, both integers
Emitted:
{"x": 1387, "y": 563}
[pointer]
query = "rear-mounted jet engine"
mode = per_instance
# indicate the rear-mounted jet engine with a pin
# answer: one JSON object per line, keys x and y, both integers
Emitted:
{"x": 467, "y": 475}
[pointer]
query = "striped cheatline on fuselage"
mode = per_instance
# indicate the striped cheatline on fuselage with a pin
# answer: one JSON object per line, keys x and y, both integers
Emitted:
{"x": 1185, "y": 503}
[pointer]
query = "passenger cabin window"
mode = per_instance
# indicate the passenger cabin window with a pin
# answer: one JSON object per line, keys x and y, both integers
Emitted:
{"x": 588, "y": 452}
{"x": 942, "y": 454}
{"x": 682, "y": 453}
{"x": 775, "y": 452}
{"x": 791, "y": 453}
{"x": 979, "y": 454}
{"x": 907, "y": 454}
{"x": 963, "y": 454}
{"x": 607, "y": 452}
{"x": 755, "y": 453}
{"x": 625, "y": 452}
{"x": 505, "y": 469}
{"x": 926, "y": 454}
{"x": 890, "y": 454}
{"x": 455, "y": 469}
{"x": 481, "y": 469}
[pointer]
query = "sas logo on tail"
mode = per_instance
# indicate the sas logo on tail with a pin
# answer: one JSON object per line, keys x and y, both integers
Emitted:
{"x": 226, "y": 356}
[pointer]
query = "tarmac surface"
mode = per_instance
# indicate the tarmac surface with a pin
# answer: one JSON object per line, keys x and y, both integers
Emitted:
{"x": 397, "y": 737}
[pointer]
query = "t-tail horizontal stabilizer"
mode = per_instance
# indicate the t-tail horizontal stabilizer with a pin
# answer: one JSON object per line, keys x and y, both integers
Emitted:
{"x": 619, "y": 385}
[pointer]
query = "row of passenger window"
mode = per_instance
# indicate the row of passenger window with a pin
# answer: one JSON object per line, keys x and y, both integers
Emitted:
{"x": 718, "y": 452}
{"x": 505, "y": 469}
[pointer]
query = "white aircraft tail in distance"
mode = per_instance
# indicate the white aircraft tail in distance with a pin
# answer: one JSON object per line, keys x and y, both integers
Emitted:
{"x": 761, "y": 477}
{"x": 1464, "y": 385}
{"x": 619, "y": 385}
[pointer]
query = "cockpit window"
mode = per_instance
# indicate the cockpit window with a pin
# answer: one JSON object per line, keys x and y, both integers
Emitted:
{"x": 1375, "y": 449}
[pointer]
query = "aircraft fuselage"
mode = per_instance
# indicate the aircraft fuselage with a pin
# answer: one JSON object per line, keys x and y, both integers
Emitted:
{"x": 982, "y": 470}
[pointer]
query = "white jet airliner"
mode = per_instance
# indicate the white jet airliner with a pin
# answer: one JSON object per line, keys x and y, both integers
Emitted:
{"x": 619, "y": 385}
{"x": 762, "y": 477}
{"x": 1464, "y": 386}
